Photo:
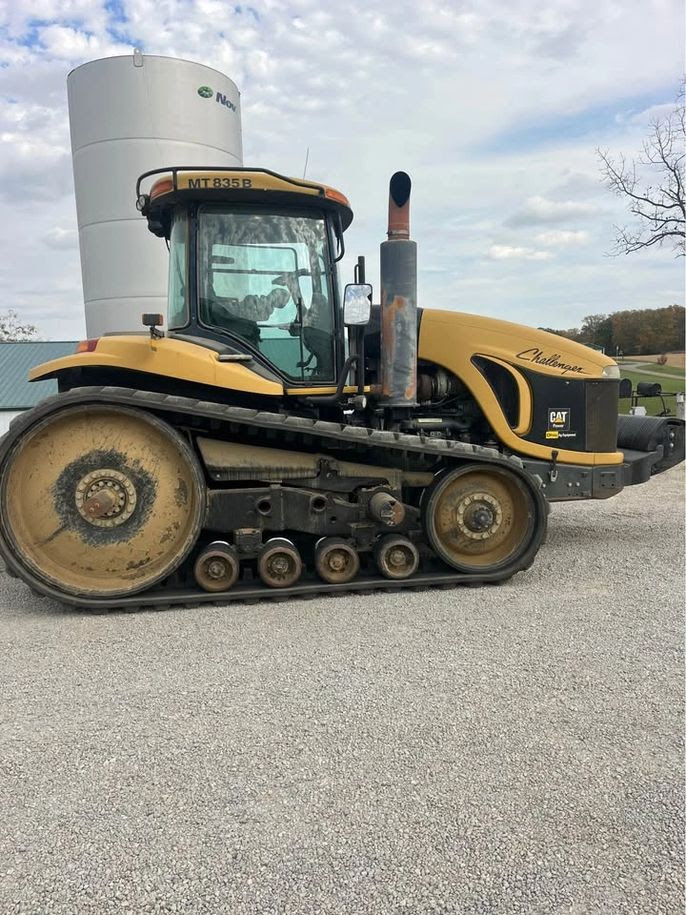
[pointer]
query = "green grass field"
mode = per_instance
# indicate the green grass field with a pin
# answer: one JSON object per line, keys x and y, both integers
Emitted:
{"x": 653, "y": 368}
{"x": 653, "y": 405}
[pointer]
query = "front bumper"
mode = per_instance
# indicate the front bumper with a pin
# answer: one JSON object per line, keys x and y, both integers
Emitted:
{"x": 650, "y": 445}
{"x": 573, "y": 482}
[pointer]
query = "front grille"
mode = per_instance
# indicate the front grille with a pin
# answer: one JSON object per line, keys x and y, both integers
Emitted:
{"x": 602, "y": 406}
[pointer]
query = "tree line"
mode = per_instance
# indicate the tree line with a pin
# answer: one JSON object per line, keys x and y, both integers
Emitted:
{"x": 638, "y": 333}
{"x": 13, "y": 329}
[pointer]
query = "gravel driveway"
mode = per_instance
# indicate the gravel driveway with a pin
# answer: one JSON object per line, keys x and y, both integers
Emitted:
{"x": 481, "y": 750}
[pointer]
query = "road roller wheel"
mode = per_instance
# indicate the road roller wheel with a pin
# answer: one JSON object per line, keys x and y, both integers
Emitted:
{"x": 279, "y": 563}
{"x": 217, "y": 567}
{"x": 101, "y": 501}
{"x": 336, "y": 561}
{"x": 479, "y": 519}
{"x": 396, "y": 557}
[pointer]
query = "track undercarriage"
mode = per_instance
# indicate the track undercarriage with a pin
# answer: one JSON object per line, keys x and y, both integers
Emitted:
{"x": 111, "y": 497}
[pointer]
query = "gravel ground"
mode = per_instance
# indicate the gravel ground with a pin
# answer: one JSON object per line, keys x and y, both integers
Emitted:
{"x": 505, "y": 749}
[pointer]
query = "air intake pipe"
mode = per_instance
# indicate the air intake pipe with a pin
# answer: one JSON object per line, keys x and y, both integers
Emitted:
{"x": 399, "y": 301}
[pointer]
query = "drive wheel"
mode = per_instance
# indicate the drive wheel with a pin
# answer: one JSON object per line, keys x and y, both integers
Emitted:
{"x": 336, "y": 561}
{"x": 480, "y": 519}
{"x": 101, "y": 501}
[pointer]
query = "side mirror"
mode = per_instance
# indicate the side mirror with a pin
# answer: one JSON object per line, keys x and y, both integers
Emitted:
{"x": 357, "y": 304}
{"x": 153, "y": 321}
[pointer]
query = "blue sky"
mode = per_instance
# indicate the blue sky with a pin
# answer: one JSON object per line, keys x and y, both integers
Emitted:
{"x": 495, "y": 108}
{"x": 588, "y": 123}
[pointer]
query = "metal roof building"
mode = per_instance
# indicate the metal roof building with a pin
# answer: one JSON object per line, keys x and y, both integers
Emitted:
{"x": 16, "y": 392}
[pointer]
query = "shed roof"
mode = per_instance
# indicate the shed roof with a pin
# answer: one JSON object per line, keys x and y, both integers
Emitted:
{"x": 16, "y": 392}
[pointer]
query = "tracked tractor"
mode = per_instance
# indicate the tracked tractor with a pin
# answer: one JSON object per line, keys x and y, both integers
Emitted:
{"x": 278, "y": 438}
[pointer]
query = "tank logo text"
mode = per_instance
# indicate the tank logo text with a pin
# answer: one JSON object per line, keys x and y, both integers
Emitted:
{"x": 540, "y": 358}
{"x": 208, "y": 92}
{"x": 223, "y": 100}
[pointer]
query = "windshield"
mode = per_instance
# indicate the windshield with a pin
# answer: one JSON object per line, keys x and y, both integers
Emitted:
{"x": 267, "y": 279}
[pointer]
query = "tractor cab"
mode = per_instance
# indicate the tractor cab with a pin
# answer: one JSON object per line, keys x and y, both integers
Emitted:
{"x": 253, "y": 264}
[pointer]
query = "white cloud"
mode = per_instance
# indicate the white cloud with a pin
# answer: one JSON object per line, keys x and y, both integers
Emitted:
{"x": 510, "y": 252}
{"x": 562, "y": 237}
{"x": 646, "y": 116}
{"x": 59, "y": 237}
{"x": 371, "y": 87}
{"x": 577, "y": 185}
{"x": 65, "y": 43}
{"x": 18, "y": 17}
{"x": 539, "y": 209}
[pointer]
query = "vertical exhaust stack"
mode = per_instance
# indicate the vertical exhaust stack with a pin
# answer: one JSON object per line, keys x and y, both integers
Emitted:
{"x": 399, "y": 301}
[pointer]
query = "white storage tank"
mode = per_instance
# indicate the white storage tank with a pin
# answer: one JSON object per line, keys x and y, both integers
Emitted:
{"x": 129, "y": 115}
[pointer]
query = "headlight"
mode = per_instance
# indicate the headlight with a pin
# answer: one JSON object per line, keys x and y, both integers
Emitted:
{"x": 611, "y": 371}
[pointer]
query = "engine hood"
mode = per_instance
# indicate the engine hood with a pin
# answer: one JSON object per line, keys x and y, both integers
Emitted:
{"x": 526, "y": 347}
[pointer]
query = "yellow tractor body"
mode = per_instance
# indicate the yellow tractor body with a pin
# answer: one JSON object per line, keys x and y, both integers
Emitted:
{"x": 282, "y": 438}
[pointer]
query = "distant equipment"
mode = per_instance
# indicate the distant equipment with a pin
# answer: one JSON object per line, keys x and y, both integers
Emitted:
{"x": 625, "y": 387}
{"x": 128, "y": 114}
{"x": 648, "y": 389}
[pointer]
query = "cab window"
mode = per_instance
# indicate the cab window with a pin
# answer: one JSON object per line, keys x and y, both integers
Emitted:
{"x": 177, "y": 307}
{"x": 266, "y": 278}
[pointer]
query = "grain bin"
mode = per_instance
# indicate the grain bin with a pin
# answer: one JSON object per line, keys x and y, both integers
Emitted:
{"x": 128, "y": 115}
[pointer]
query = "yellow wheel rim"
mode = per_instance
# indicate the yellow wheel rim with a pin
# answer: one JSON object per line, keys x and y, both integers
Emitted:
{"x": 101, "y": 501}
{"x": 479, "y": 519}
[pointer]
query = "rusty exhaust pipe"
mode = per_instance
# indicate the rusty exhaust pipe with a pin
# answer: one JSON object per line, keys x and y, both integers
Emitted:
{"x": 399, "y": 301}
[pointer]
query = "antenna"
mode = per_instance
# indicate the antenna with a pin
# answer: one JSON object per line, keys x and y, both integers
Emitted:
{"x": 307, "y": 159}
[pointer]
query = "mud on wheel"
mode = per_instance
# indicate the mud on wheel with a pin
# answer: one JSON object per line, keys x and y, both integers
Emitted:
{"x": 101, "y": 501}
{"x": 336, "y": 560}
{"x": 217, "y": 568}
{"x": 480, "y": 518}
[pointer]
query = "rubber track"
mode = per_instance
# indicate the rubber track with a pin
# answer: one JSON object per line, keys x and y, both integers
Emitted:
{"x": 325, "y": 431}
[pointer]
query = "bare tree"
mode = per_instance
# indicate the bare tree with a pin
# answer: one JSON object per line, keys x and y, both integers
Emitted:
{"x": 653, "y": 185}
{"x": 12, "y": 330}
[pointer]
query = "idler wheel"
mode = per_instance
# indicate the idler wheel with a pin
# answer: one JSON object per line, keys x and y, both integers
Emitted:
{"x": 396, "y": 557}
{"x": 279, "y": 563}
{"x": 479, "y": 519}
{"x": 217, "y": 567}
{"x": 336, "y": 561}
